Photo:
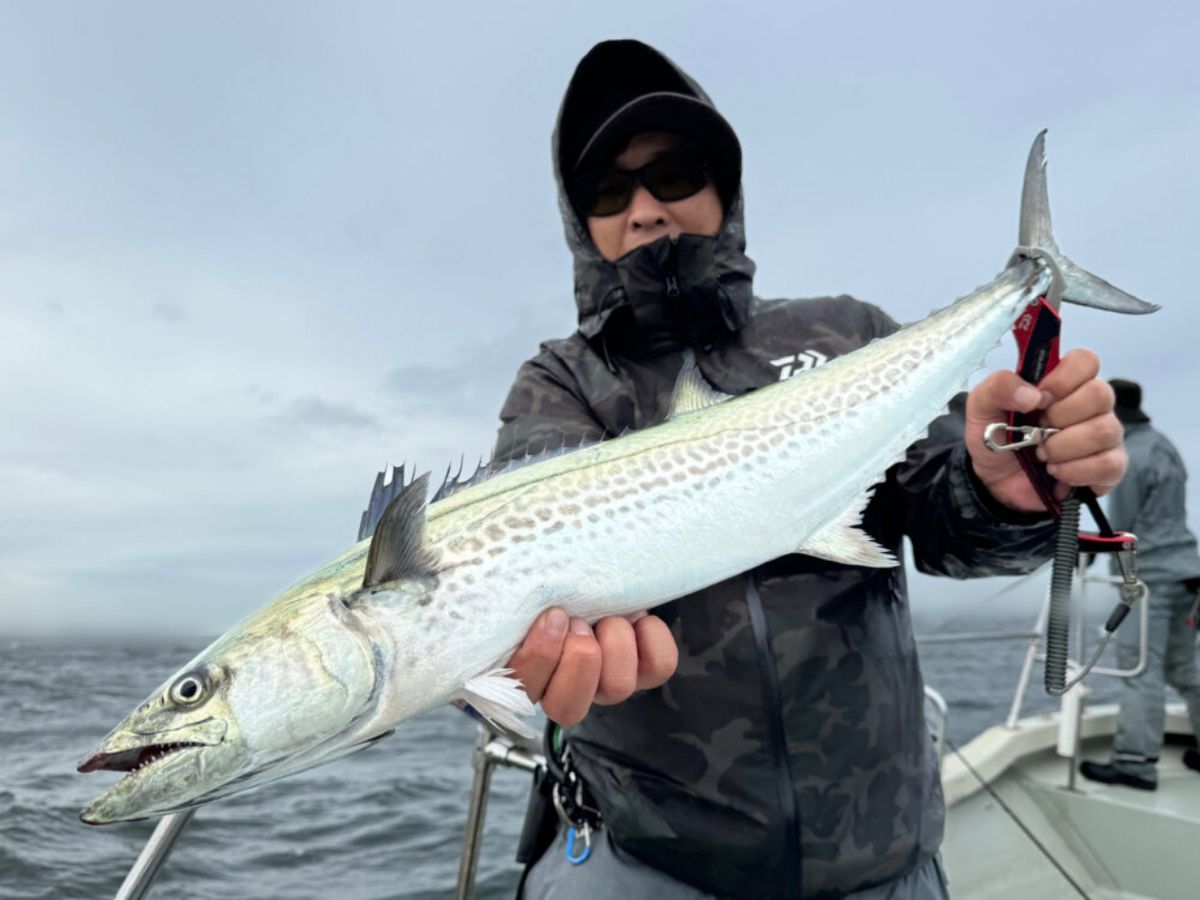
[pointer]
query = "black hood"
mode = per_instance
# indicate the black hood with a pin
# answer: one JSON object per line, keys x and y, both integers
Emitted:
{"x": 665, "y": 294}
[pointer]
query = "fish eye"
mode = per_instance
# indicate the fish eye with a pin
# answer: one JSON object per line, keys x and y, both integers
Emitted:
{"x": 187, "y": 691}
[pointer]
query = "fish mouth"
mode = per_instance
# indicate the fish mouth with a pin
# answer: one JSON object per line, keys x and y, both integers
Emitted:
{"x": 128, "y": 800}
{"x": 131, "y": 750}
{"x": 162, "y": 767}
{"x": 137, "y": 758}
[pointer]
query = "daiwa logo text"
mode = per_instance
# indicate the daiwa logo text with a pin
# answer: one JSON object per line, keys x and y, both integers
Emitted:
{"x": 805, "y": 359}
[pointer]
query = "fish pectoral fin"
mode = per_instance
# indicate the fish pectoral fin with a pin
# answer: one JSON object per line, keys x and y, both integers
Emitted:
{"x": 845, "y": 542}
{"x": 851, "y": 546}
{"x": 501, "y": 700}
{"x": 692, "y": 390}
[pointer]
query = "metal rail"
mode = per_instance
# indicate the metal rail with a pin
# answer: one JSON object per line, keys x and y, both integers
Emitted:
{"x": 1033, "y": 655}
{"x": 938, "y": 702}
{"x": 476, "y": 813}
{"x": 153, "y": 855}
{"x": 968, "y": 637}
{"x": 491, "y": 750}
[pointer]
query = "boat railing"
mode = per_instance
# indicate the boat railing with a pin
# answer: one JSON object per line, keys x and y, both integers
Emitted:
{"x": 145, "y": 868}
{"x": 1035, "y": 654}
{"x": 1074, "y": 700}
{"x": 937, "y": 728}
{"x": 491, "y": 750}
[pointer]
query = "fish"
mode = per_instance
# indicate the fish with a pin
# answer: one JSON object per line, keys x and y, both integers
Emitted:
{"x": 429, "y": 608}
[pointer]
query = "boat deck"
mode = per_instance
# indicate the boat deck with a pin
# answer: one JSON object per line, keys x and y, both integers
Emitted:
{"x": 1054, "y": 841}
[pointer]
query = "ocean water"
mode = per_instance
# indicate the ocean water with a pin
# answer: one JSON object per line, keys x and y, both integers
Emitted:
{"x": 384, "y": 823}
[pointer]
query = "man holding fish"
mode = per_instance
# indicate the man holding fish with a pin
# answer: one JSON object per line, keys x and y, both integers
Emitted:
{"x": 764, "y": 737}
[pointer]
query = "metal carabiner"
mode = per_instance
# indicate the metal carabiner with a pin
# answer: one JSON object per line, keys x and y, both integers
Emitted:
{"x": 572, "y": 811}
{"x": 574, "y": 858}
{"x": 556, "y": 798}
{"x": 1132, "y": 588}
{"x": 1030, "y": 436}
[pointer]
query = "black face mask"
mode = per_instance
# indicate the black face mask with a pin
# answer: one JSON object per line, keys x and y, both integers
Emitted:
{"x": 673, "y": 298}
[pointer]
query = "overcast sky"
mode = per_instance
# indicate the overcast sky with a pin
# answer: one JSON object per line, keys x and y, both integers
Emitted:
{"x": 250, "y": 253}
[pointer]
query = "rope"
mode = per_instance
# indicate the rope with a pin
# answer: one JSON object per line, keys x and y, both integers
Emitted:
{"x": 1016, "y": 819}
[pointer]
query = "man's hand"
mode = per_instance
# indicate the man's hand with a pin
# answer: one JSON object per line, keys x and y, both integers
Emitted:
{"x": 1088, "y": 450}
{"x": 567, "y": 665}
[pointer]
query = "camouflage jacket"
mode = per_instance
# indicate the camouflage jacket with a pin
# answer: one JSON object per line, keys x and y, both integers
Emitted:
{"x": 788, "y": 756}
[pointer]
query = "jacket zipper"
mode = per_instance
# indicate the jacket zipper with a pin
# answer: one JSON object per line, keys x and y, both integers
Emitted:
{"x": 772, "y": 700}
{"x": 672, "y": 270}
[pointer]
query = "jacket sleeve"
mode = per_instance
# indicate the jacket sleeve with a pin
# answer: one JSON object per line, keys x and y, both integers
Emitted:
{"x": 955, "y": 525}
{"x": 545, "y": 410}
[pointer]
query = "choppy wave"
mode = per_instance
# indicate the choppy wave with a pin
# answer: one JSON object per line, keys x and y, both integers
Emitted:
{"x": 385, "y": 823}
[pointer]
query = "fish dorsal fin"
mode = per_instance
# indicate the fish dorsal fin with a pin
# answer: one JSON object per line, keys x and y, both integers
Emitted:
{"x": 398, "y": 547}
{"x": 552, "y": 446}
{"x": 692, "y": 390}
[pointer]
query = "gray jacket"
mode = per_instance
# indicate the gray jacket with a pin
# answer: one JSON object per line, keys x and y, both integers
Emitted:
{"x": 1150, "y": 502}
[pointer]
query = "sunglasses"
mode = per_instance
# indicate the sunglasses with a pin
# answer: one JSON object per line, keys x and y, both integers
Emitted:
{"x": 670, "y": 177}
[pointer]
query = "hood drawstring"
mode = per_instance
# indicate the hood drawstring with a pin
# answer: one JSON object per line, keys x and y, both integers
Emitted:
{"x": 725, "y": 306}
{"x": 612, "y": 366}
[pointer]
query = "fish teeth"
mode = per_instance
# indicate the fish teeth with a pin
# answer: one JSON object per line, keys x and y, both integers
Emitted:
{"x": 163, "y": 750}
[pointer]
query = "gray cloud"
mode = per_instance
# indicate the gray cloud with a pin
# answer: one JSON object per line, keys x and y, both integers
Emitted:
{"x": 463, "y": 388}
{"x": 259, "y": 393}
{"x": 168, "y": 312}
{"x": 471, "y": 378}
{"x": 363, "y": 255}
{"x": 315, "y": 412}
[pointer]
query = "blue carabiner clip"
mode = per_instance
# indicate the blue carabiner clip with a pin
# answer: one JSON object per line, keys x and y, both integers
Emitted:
{"x": 587, "y": 845}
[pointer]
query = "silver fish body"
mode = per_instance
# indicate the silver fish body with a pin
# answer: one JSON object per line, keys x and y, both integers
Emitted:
{"x": 427, "y": 611}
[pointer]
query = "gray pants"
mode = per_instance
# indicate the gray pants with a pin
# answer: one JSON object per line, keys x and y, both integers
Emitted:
{"x": 1170, "y": 659}
{"x": 610, "y": 874}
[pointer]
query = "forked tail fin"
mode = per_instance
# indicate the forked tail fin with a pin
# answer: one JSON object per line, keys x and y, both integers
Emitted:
{"x": 1077, "y": 285}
